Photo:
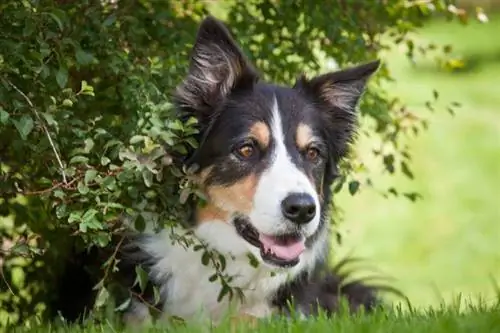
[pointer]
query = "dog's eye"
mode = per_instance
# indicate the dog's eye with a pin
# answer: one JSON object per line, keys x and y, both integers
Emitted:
{"x": 312, "y": 154}
{"x": 245, "y": 150}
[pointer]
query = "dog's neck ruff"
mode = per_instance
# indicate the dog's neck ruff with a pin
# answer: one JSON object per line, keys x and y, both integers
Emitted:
{"x": 183, "y": 279}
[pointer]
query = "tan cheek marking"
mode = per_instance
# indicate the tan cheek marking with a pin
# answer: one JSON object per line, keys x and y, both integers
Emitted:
{"x": 237, "y": 197}
{"x": 261, "y": 132}
{"x": 303, "y": 135}
{"x": 209, "y": 213}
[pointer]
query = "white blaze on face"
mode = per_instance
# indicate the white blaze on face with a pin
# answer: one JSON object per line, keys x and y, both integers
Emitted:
{"x": 276, "y": 183}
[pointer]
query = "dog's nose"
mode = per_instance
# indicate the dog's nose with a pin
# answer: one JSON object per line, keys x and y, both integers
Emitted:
{"x": 299, "y": 207}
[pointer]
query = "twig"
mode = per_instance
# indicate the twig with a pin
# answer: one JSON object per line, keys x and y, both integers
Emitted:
{"x": 113, "y": 260}
{"x": 56, "y": 186}
{"x": 59, "y": 161}
{"x": 144, "y": 301}
{"x": 5, "y": 279}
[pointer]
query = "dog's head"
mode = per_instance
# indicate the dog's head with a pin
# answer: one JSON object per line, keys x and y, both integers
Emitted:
{"x": 268, "y": 154}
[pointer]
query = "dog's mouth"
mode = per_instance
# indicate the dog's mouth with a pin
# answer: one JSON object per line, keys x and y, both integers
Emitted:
{"x": 281, "y": 250}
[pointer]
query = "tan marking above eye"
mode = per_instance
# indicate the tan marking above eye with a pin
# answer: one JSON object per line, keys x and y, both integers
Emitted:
{"x": 261, "y": 132}
{"x": 303, "y": 136}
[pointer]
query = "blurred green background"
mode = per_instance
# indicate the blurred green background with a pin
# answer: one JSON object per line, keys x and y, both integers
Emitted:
{"x": 448, "y": 243}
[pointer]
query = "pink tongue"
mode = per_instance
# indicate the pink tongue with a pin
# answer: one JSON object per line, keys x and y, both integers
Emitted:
{"x": 289, "y": 251}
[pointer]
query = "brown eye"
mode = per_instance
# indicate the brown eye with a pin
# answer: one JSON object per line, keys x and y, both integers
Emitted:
{"x": 312, "y": 154}
{"x": 245, "y": 150}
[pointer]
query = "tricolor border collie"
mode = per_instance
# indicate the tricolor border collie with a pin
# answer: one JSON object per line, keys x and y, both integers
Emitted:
{"x": 267, "y": 158}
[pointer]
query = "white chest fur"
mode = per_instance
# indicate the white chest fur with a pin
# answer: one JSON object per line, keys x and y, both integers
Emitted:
{"x": 184, "y": 281}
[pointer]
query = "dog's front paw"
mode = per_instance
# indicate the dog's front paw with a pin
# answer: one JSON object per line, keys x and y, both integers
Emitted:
{"x": 243, "y": 320}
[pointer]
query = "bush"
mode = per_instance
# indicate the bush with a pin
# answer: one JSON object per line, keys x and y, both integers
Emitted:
{"x": 87, "y": 133}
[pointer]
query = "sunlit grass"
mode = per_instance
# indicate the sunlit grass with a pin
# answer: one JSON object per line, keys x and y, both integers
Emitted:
{"x": 441, "y": 320}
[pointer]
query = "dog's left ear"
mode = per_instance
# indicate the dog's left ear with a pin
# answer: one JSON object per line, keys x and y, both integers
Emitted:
{"x": 337, "y": 94}
{"x": 216, "y": 68}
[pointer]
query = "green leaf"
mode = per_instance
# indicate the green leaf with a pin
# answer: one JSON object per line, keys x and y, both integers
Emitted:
{"x": 109, "y": 182}
{"x": 192, "y": 142}
{"x": 86, "y": 89}
{"x": 406, "y": 170}
{"x": 136, "y": 139}
{"x": 61, "y": 211}
{"x": 57, "y": 19}
{"x": 89, "y": 144}
{"x": 213, "y": 277}
{"x": 82, "y": 188}
{"x": 205, "y": 258}
{"x": 74, "y": 217}
{"x": 225, "y": 290}
{"x": 175, "y": 125}
{"x": 353, "y": 187}
{"x": 191, "y": 121}
{"x": 90, "y": 175}
{"x": 78, "y": 160}
{"x": 102, "y": 239}
{"x": 141, "y": 277}
{"x": 198, "y": 247}
{"x": 105, "y": 160}
{"x": 49, "y": 119}
{"x": 90, "y": 224}
{"x": 59, "y": 194}
{"x": 24, "y": 126}
{"x": 156, "y": 295}
{"x": 435, "y": 93}
{"x": 62, "y": 77}
{"x": 20, "y": 250}
{"x": 147, "y": 176}
{"x": 67, "y": 103}
{"x": 124, "y": 306}
{"x": 83, "y": 58}
{"x": 222, "y": 261}
{"x": 254, "y": 262}
{"x": 109, "y": 20}
{"x": 89, "y": 215}
{"x": 102, "y": 297}
{"x": 140, "y": 223}
{"x": 4, "y": 116}
{"x": 184, "y": 196}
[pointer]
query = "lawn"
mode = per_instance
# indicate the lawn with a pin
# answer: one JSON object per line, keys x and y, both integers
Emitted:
{"x": 443, "y": 320}
{"x": 448, "y": 243}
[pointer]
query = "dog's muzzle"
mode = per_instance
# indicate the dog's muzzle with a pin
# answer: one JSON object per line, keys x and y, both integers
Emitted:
{"x": 281, "y": 250}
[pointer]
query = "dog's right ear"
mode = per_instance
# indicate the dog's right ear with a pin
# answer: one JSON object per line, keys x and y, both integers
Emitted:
{"x": 217, "y": 67}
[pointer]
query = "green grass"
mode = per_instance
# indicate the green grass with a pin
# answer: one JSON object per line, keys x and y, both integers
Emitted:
{"x": 449, "y": 242}
{"x": 443, "y": 320}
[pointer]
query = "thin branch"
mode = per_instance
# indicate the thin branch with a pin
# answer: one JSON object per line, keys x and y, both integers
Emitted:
{"x": 28, "y": 100}
{"x": 113, "y": 260}
{"x": 5, "y": 279}
{"x": 54, "y": 187}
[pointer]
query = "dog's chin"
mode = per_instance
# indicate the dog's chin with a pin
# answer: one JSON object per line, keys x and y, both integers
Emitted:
{"x": 281, "y": 250}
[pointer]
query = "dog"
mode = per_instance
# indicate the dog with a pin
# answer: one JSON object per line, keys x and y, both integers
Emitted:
{"x": 266, "y": 160}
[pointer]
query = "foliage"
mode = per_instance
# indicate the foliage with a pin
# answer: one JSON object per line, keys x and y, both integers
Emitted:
{"x": 87, "y": 133}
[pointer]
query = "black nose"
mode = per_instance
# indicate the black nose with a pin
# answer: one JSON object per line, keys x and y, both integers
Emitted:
{"x": 299, "y": 208}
